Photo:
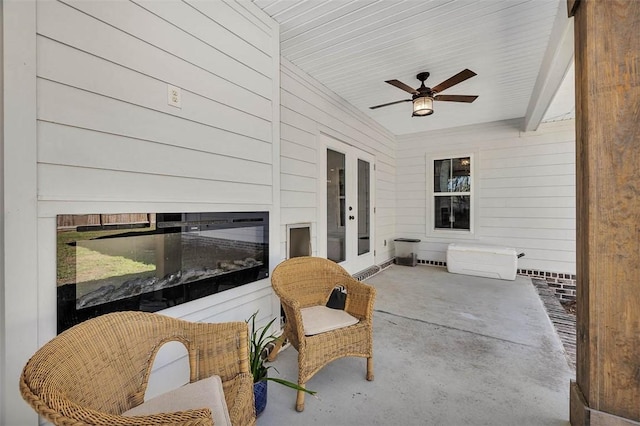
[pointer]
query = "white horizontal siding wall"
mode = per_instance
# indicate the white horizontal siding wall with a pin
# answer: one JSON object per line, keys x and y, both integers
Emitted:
{"x": 108, "y": 142}
{"x": 309, "y": 109}
{"x": 524, "y": 189}
{"x": 105, "y": 130}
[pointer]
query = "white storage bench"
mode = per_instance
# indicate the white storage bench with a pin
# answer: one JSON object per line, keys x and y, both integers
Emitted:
{"x": 482, "y": 261}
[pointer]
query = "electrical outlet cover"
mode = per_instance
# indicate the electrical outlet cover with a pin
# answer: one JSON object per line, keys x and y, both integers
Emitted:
{"x": 174, "y": 96}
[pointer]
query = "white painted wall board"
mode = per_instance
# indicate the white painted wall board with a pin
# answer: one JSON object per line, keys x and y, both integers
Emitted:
{"x": 526, "y": 202}
{"x": 526, "y": 171}
{"x": 528, "y": 181}
{"x": 296, "y": 151}
{"x": 72, "y": 146}
{"x": 498, "y": 232}
{"x": 386, "y": 169}
{"x": 295, "y": 135}
{"x": 386, "y": 181}
{"x": 528, "y": 212}
{"x": 235, "y": 22}
{"x": 537, "y": 244}
{"x": 254, "y": 297}
{"x": 298, "y": 168}
{"x": 256, "y": 16}
{"x": 536, "y": 192}
{"x": 47, "y": 274}
{"x": 538, "y": 147}
{"x": 386, "y": 186}
{"x": 293, "y": 118}
{"x": 210, "y": 32}
{"x": 503, "y": 134}
{"x": 525, "y": 190}
{"x": 385, "y": 219}
{"x": 526, "y": 222}
{"x": 61, "y": 97}
{"x": 292, "y": 199}
{"x": 416, "y": 202}
{"x": 64, "y": 105}
{"x": 19, "y": 333}
{"x": 81, "y": 183}
{"x": 121, "y": 20}
{"x": 415, "y": 169}
{"x": 102, "y": 76}
{"x": 411, "y": 177}
{"x": 297, "y": 183}
{"x": 545, "y": 159}
{"x": 299, "y": 215}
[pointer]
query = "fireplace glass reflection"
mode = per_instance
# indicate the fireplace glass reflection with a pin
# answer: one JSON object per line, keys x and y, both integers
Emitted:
{"x": 152, "y": 261}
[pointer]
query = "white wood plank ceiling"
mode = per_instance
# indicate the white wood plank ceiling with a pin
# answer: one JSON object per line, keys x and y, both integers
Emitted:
{"x": 353, "y": 46}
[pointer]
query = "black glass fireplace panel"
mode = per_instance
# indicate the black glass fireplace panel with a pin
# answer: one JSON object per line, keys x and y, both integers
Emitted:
{"x": 150, "y": 262}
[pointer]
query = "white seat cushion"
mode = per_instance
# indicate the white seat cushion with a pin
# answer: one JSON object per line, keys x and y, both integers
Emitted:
{"x": 320, "y": 319}
{"x": 205, "y": 393}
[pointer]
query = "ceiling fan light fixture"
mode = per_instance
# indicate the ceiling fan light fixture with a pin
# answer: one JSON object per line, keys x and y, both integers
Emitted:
{"x": 422, "y": 106}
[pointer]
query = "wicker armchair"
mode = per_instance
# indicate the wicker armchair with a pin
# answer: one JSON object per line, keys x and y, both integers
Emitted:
{"x": 303, "y": 282}
{"x": 95, "y": 371}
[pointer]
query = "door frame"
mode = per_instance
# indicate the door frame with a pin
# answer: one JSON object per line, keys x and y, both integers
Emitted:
{"x": 353, "y": 263}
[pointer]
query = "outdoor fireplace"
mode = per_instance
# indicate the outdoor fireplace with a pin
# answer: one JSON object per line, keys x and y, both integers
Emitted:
{"x": 152, "y": 261}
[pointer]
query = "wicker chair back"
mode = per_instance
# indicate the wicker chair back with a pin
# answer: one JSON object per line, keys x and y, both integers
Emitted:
{"x": 100, "y": 368}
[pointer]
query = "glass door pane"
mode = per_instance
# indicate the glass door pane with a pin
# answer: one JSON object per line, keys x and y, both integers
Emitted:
{"x": 364, "y": 223}
{"x": 336, "y": 195}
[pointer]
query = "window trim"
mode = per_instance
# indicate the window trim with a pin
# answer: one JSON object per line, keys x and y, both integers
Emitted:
{"x": 431, "y": 230}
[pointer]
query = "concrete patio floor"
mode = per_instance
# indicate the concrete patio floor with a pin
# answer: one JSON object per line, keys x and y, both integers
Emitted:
{"x": 448, "y": 350}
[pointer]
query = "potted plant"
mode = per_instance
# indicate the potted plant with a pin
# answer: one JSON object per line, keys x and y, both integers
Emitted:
{"x": 259, "y": 340}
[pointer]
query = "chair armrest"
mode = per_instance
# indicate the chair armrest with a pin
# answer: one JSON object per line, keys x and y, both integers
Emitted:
{"x": 69, "y": 413}
{"x": 240, "y": 400}
{"x": 360, "y": 299}
{"x": 198, "y": 417}
{"x": 293, "y": 304}
{"x": 294, "y": 319}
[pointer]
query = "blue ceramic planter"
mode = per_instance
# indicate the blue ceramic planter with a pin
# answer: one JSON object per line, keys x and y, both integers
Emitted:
{"x": 260, "y": 394}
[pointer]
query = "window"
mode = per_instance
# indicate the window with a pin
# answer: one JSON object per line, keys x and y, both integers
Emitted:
{"x": 452, "y": 194}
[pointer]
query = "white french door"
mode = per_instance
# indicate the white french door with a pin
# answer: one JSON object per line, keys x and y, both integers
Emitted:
{"x": 348, "y": 194}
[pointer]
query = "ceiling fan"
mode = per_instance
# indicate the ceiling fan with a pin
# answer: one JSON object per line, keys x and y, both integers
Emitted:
{"x": 423, "y": 96}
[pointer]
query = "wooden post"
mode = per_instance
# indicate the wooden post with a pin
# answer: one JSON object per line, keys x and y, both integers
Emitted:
{"x": 607, "y": 49}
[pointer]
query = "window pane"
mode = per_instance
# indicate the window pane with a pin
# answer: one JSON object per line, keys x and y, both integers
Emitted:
{"x": 452, "y": 175}
{"x": 363, "y": 207}
{"x": 335, "y": 206}
{"x": 461, "y": 176}
{"x": 441, "y": 174}
{"x": 452, "y": 212}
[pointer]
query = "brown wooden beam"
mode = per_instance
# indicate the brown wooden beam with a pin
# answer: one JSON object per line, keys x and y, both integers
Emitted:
{"x": 572, "y": 5}
{"x": 607, "y": 56}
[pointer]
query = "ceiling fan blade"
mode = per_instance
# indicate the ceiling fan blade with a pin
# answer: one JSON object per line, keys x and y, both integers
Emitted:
{"x": 455, "y": 98}
{"x": 390, "y": 103}
{"x": 401, "y": 85}
{"x": 452, "y": 81}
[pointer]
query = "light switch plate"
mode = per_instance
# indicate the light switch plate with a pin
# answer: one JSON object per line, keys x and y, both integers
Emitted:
{"x": 174, "y": 96}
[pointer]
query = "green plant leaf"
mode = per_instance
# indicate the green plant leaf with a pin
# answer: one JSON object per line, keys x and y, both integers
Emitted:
{"x": 290, "y": 385}
{"x": 259, "y": 339}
